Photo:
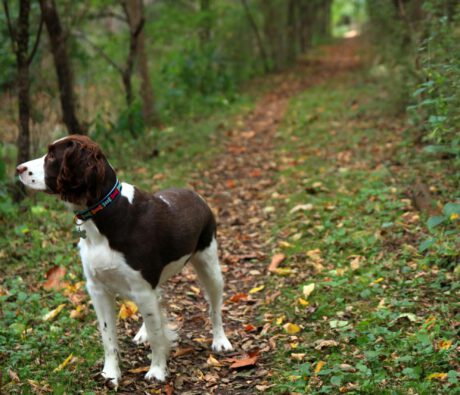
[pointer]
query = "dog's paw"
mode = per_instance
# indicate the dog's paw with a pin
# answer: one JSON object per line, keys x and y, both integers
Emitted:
{"x": 156, "y": 373}
{"x": 221, "y": 343}
{"x": 141, "y": 336}
{"x": 112, "y": 376}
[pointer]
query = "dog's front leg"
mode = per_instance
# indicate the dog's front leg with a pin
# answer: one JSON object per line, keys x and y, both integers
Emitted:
{"x": 149, "y": 306}
{"x": 104, "y": 304}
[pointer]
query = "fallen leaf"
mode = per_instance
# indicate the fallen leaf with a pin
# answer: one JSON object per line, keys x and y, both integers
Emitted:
{"x": 319, "y": 366}
{"x": 195, "y": 290}
{"x": 308, "y": 289}
{"x": 168, "y": 389}
{"x": 53, "y": 313}
{"x": 13, "y": 375}
{"x": 381, "y": 304}
{"x": 291, "y": 328}
{"x": 334, "y": 324}
{"x": 64, "y": 363}
{"x": 303, "y": 302}
{"x": 211, "y": 361}
{"x": 298, "y": 356}
{"x": 355, "y": 264}
{"x": 142, "y": 369}
{"x": 54, "y": 277}
{"x": 284, "y": 244}
{"x": 242, "y": 363}
{"x": 276, "y": 260}
{"x": 437, "y": 376}
{"x": 257, "y": 289}
{"x": 294, "y": 377}
{"x": 444, "y": 344}
{"x": 301, "y": 207}
{"x": 237, "y": 297}
{"x": 315, "y": 254}
{"x": 379, "y": 280}
{"x": 250, "y": 328}
{"x": 280, "y": 319}
{"x": 230, "y": 184}
{"x": 127, "y": 309}
{"x": 282, "y": 271}
{"x": 325, "y": 343}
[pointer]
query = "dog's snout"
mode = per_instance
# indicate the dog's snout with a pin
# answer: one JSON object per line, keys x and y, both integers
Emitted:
{"x": 21, "y": 169}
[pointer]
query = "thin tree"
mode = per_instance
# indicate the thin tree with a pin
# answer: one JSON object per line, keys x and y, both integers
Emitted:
{"x": 19, "y": 35}
{"x": 136, "y": 12}
{"x": 257, "y": 35}
{"x": 58, "y": 43}
{"x": 126, "y": 70}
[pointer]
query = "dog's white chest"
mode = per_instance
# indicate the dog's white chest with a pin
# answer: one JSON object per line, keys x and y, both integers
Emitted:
{"x": 104, "y": 265}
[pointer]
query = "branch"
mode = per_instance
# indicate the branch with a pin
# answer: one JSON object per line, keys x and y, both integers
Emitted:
{"x": 37, "y": 41}
{"x": 100, "y": 51}
{"x": 11, "y": 29}
{"x": 108, "y": 14}
{"x": 139, "y": 27}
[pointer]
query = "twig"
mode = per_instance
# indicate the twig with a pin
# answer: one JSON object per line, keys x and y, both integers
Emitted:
{"x": 11, "y": 29}
{"x": 37, "y": 41}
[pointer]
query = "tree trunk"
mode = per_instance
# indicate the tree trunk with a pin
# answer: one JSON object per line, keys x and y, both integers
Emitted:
{"x": 63, "y": 67}
{"x": 136, "y": 10}
{"x": 255, "y": 29}
{"x": 23, "y": 83}
{"x": 206, "y": 22}
{"x": 291, "y": 29}
{"x": 134, "y": 30}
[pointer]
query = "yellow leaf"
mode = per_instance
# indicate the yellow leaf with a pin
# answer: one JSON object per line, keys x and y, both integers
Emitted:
{"x": 444, "y": 344}
{"x": 379, "y": 280}
{"x": 284, "y": 244}
{"x": 280, "y": 319}
{"x": 319, "y": 366}
{"x": 291, "y": 329}
{"x": 294, "y": 345}
{"x": 213, "y": 361}
{"x": 303, "y": 302}
{"x": 53, "y": 313}
{"x": 437, "y": 376}
{"x": 64, "y": 364}
{"x": 294, "y": 378}
{"x": 195, "y": 290}
{"x": 282, "y": 271}
{"x": 355, "y": 264}
{"x": 454, "y": 216}
{"x": 308, "y": 289}
{"x": 257, "y": 289}
{"x": 127, "y": 309}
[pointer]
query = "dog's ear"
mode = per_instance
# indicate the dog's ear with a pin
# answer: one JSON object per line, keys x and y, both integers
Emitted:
{"x": 82, "y": 173}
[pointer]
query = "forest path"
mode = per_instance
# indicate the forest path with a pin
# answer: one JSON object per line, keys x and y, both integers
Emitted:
{"x": 238, "y": 186}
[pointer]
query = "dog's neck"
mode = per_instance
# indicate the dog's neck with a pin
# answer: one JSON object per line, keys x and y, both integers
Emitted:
{"x": 106, "y": 186}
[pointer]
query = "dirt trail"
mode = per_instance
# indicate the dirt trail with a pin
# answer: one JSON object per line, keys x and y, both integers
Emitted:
{"x": 238, "y": 187}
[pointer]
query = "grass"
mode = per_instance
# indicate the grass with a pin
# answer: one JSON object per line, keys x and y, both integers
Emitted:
{"x": 37, "y": 236}
{"x": 347, "y": 225}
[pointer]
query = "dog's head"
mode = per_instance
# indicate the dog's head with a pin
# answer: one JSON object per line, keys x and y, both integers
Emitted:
{"x": 74, "y": 168}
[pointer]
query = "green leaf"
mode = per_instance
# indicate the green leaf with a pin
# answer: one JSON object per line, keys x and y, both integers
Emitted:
{"x": 336, "y": 380}
{"x": 435, "y": 221}
{"x": 451, "y": 208}
{"x": 426, "y": 244}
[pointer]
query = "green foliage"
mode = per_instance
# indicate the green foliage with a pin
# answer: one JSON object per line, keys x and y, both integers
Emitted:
{"x": 386, "y": 341}
{"x": 437, "y": 106}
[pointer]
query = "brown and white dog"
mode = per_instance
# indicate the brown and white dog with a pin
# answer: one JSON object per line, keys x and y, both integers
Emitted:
{"x": 134, "y": 242}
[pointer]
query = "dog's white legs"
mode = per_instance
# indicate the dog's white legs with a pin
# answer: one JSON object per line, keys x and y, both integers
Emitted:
{"x": 206, "y": 264}
{"x": 149, "y": 306}
{"x": 104, "y": 304}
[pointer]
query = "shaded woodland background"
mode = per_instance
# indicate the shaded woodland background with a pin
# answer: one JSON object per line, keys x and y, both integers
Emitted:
{"x": 324, "y": 135}
{"x": 120, "y": 69}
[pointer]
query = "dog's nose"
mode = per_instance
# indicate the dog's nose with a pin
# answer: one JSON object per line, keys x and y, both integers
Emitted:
{"x": 21, "y": 169}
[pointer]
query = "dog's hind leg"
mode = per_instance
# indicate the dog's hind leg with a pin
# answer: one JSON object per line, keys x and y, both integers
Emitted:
{"x": 104, "y": 304}
{"x": 148, "y": 301}
{"x": 206, "y": 265}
